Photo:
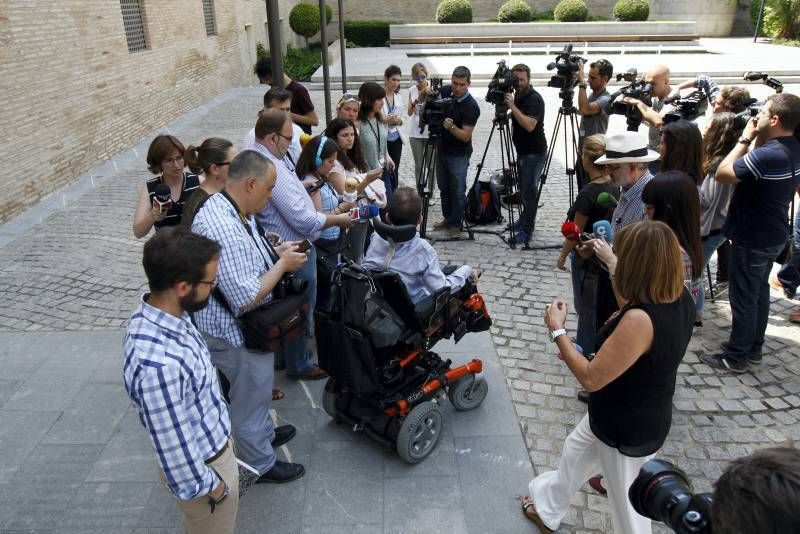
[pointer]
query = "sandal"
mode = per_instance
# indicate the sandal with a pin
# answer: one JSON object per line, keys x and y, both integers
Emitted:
{"x": 530, "y": 512}
{"x": 277, "y": 394}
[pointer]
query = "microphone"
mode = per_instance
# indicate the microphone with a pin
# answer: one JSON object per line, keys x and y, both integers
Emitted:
{"x": 570, "y": 231}
{"x": 304, "y": 138}
{"x": 603, "y": 230}
{"x": 606, "y": 200}
{"x": 162, "y": 196}
{"x": 364, "y": 213}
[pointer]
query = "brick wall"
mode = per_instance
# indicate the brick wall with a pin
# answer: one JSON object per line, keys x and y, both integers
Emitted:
{"x": 73, "y": 96}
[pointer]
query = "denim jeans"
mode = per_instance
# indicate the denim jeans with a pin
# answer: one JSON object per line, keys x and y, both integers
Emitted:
{"x": 789, "y": 274}
{"x": 710, "y": 244}
{"x": 296, "y": 355}
{"x": 451, "y": 177}
{"x": 529, "y": 171}
{"x": 585, "y": 275}
{"x": 749, "y": 298}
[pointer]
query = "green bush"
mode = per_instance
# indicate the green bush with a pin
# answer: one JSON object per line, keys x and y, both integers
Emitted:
{"x": 367, "y": 32}
{"x": 628, "y": 10}
{"x": 261, "y": 50}
{"x": 543, "y": 16}
{"x": 514, "y": 11}
{"x": 301, "y": 63}
{"x": 781, "y": 18}
{"x": 454, "y": 12}
{"x": 571, "y": 11}
{"x": 304, "y": 19}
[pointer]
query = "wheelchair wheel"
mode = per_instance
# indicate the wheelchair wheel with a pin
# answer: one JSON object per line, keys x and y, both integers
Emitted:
{"x": 329, "y": 398}
{"x": 419, "y": 432}
{"x": 468, "y": 393}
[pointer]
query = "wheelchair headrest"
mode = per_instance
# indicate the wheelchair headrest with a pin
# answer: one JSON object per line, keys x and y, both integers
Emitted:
{"x": 398, "y": 234}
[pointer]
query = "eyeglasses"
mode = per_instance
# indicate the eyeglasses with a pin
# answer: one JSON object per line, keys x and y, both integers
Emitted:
{"x": 419, "y": 78}
{"x": 281, "y": 135}
{"x": 223, "y": 163}
{"x": 172, "y": 161}
{"x": 212, "y": 283}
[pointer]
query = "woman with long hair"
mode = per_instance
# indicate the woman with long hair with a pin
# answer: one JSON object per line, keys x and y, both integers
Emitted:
{"x": 392, "y": 112}
{"x": 165, "y": 160}
{"x": 681, "y": 149}
{"x": 373, "y": 132}
{"x": 212, "y": 158}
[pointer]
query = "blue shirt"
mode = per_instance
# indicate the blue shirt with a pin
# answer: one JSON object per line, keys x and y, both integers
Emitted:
{"x": 760, "y": 202}
{"x": 630, "y": 207}
{"x": 173, "y": 387}
{"x": 329, "y": 201}
{"x": 417, "y": 264}
{"x": 242, "y": 262}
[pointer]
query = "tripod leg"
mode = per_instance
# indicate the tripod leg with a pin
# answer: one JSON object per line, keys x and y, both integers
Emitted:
{"x": 425, "y": 183}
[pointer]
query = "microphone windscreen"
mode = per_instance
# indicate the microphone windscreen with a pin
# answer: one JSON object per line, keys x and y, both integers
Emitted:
{"x": 369, "y": 211}
{"x": 570, "y": 231}
{"x": 602, "y": 229}
{"x": 162, "y": 193}
{"x": 606, "y": 200}
{"x": 304, "y": 138}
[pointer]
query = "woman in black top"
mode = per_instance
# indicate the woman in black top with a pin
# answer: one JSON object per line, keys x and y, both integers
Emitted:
{"x": 584, "y": 212}
{"x": 164, "y": 159}
{"x": 631, "y": 379}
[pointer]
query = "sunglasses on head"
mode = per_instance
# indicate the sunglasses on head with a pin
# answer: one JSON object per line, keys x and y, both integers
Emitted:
{"x": 347, "y": 97}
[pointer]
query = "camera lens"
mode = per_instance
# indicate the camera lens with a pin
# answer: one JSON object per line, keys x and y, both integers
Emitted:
{"x": 661, "y": 492}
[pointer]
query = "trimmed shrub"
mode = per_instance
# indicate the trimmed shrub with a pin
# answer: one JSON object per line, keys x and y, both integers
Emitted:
{"x": 367, "y": 32}
{"x": 454, "y": 12}
{"x": 514, "y": 11}
{"x": 629, "y": 10}
{"x": 571, "y": 11}
{"x": 543, "y": 16}
{"x": 304, "y": 19}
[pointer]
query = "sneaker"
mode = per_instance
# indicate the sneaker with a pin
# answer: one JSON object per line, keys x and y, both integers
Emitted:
{"x": 441, "y": 225}
{"x": 522, "y": 237}
{"x": 720, "y": 361}
{"x": 282, "y": 472}
{"x": 455, "y": 233}
{"x": 754, "y": 358}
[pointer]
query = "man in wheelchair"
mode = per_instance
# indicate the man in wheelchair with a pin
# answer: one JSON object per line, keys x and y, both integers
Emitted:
{"x": 414, "y": 260}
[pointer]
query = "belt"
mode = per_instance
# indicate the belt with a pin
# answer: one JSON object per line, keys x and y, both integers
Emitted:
{"x": 217, "y": 455}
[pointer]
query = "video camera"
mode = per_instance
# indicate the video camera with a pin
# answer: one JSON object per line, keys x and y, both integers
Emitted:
{"x": 435, "y": 110}
{"x": 688, "y": 107}
{"x": 503, "y": 82}
{"x": 565, "y": 65}
{"x": 637, "y": 88}
{"x": 663, "y": 493}
{"x": 754, "y": 106}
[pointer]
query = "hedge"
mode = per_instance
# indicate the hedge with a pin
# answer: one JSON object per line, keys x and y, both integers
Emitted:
{"x": 367, "y": 32}
{"x": 514, "y": 11}
{"x": 454, "y": 12}
{"x": 631, "y": 10}
{"x": 571, "y": 11}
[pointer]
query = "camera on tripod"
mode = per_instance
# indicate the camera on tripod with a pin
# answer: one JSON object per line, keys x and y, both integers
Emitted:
{"x": 637, "y": 88}
{"x": 503, "y": 82}
{"x": 435, "y": 110}
{"x": 566, "y": 66}
{"x": 663, "y": 493}
{"x": 688, "y": 107}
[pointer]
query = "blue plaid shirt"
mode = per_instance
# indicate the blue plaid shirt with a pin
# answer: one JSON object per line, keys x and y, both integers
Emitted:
{"x": 242, "y": 262}
{"x": 630, "y": 207}
{"x": 174, "y": 388}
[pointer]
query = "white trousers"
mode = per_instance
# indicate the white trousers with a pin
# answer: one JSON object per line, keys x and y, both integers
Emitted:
{"x": 583, "y": 457}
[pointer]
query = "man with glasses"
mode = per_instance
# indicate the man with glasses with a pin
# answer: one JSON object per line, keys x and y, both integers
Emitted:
{"x": 277, "y": 98}
{"x": 189, "y": 427}
{"x": 292, "y": 216}
{"x": 767, "y": 176}
{"x": 592, "y": 107}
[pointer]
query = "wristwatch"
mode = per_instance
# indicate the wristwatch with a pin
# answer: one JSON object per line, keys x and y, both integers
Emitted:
{"x": 555, "y": 333}
{"x": 745, "y": 141}
{"x": 582, "y": 85}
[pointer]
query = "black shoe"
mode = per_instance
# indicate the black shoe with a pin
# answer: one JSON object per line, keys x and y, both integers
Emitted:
{"x": 283, "y": 434}
{"x": 720, "y": 361}
{"x": 754, "y": 358}
{"x": 583, "y": 396}
{"x": 282, "y": 472}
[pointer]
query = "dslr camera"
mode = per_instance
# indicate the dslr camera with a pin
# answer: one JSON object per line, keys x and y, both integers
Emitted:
{"x": 663, "y": 493}
{"x": 566, "y": 66}
{"x": 637, "y": 88}
{"x": 503, "y": 82}
{"x": 288, "y": 285}
{"x": 435, "y": 110}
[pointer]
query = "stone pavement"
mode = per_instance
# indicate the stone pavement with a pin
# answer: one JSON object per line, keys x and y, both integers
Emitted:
{"x": 72, "y": 264}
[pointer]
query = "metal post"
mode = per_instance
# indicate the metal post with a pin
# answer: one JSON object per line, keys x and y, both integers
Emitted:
{"x": 323, "y": 36}
{"x": 275, "y": 48}
{"x": 342, "y": 45}
{"x": 758, "y": 21}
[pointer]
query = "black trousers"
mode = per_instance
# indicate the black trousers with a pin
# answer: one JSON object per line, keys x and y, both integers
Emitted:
{"x": 395, "y": 149}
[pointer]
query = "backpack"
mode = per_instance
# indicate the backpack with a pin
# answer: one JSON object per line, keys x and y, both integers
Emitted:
{"x": 483, "y": 203}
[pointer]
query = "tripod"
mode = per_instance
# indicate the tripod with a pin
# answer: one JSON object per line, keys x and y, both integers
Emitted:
{"x": 568, "y": 125}
{"x": 509, "y": 167}
{"x": 425, "y": 179}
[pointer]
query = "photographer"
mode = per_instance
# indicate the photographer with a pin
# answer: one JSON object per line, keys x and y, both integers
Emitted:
{"x": 526, "y": 108}
{"x": 456, "y": 148}
{"x": 246, "y": 277}
{"x": 658, "y": 78}
{"x": 631, "y": 379}
{"x": 757, "y": 223}
{"x": 592, "y": 107}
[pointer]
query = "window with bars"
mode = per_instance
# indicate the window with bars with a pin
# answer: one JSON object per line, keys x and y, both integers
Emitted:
{"x": 133, "y": 19}
{"x": 208, "y": 15}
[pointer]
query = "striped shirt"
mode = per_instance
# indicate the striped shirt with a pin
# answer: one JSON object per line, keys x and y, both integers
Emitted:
{"x": 173, "y": 218}
{"x": 242, "y": 262}
{"x": 173, "y": 387}
{"x": 290, "y": 213}
{"x": 630, "y": 207}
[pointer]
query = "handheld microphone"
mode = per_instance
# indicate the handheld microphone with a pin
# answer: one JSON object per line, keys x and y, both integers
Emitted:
{"x": 162, "y": 196}
{"x": 364, "y": 213}
{"x": 570, "y": 231}
{"x": 603, "y": 230}
{"x": 606, "y": 200}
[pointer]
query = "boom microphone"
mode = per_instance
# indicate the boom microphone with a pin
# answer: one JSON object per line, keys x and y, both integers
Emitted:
{"x": 570, "y": 231}
{"x": 603, "y": 230}
{"x": 606, "y": 200}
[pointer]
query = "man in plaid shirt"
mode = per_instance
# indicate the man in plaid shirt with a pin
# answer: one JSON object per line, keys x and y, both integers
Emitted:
{"x": 173, "y": 386}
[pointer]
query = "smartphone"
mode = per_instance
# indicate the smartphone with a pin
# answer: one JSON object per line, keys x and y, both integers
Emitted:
{"x": 304, "y": 245}
{"x": 316, "y": 186}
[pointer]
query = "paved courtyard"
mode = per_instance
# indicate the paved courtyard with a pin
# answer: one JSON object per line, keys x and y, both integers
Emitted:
{"x": 70, "y": 275}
